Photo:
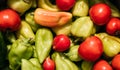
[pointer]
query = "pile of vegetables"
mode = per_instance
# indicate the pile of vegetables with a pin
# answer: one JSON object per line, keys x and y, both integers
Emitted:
{"x": 59, "y": 35}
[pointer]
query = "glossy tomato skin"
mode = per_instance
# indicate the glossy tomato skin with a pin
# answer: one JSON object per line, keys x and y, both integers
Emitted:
{"x": 61, "y": 43}
{"x": 65, "y": 4}
{"x": 116, "y": 62}
{"x": 100, "y": 13}
{"x": 48, "y": 64}
{"x": 9, "y": 19}
{"x": 102, "y": 65}
{"x": 113, "y": 26}
{"x": 91, "y": 49}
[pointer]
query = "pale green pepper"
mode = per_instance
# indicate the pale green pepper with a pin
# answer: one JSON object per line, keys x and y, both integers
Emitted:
{"x": 43, "y": 43}
{"x": 63, "y": 63}
{"x": 111, "y": 44}
{"x": 72, "y": 53}
{"x": 21, "y": 6}
{"x": 27, "y": 65}
{"x": 25, "y": 32}
{"x": 20, "y": 49}
{"x": 83, "y": 27}
{"x": 81, "y": 8}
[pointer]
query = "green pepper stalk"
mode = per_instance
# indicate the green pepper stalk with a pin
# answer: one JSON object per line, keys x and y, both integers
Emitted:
{"x": 43, "y": 43}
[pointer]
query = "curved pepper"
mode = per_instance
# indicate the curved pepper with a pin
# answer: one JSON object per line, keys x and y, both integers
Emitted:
{"x": 83, "y": 27}
{"x": 43, "y": 43}
{"x": 46, "y": 4}
{"x": 81, "y": 8}
{"x": 21, "y": 6}
{"x": 62, "y": 63}
{"x": 25, "y": 32}
{"x": 20, "y": 49}
{"x": 50, "y": 18}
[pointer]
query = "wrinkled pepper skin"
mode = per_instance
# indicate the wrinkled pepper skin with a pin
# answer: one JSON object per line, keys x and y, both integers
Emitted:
{"x": 63, "y": 63}
{"x": 72, "y": 53}
{"x": 27, "y": 65}
{"x": 21, "y": 6}
{"x": 83, "y": 27}
{"x": 111, "y": 44}
{"x": 20, "y": 49}
{"x": 29, "y": 18}
{"x": 81, "y": 8}
{"x": 25, "y": 32}
{"x": 43, "y": 43}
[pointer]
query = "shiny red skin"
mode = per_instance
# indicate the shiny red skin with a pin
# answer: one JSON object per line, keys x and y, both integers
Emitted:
{"x": 91, "y": 49}
{"x": 116, "y": 62}
{"x": 100, "y": 13}
{"x": 102, "y": 65}
{"x": 113, "y": 26}
{"x": 48, "y": 64}
{"x": 61, "y": 43}
{"x": 9, "y": 19}
{"x": 65, "y": 4}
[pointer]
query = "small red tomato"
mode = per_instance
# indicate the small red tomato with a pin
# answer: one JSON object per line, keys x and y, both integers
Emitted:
{"x": 113, "y": 26}
{"x": 102, "y": 65}
{"x": 116, "y": 62}
{"x": 65, "y": 4}
{"x": 9, "y": 19}
{"x": 61, "y": 43}
{"x": 91, "y": 49}
{"x": 100, "y": 13}
{"x": 48, "y": 64}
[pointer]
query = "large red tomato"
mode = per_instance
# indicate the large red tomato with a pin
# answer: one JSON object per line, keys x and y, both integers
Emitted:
{"x": 91, "y": 49}
{"x": 9, "y": 19}
{"x": 100, "y": 13}
{"x": 102, "y": 65}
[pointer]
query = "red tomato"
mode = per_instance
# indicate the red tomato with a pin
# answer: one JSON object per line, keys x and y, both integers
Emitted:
{"x": 48, "y": 64}
{"x": 100, "y": 13}
{"x": 102, "y": 65}
{"x": 113, "y": 26}
{"x": 9, "y": 19}
{"x": 61, "y": 43}
{"x": 65, "y": 4}
{"x": 91, "y": 49}
{"x": 116, "y": 62}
